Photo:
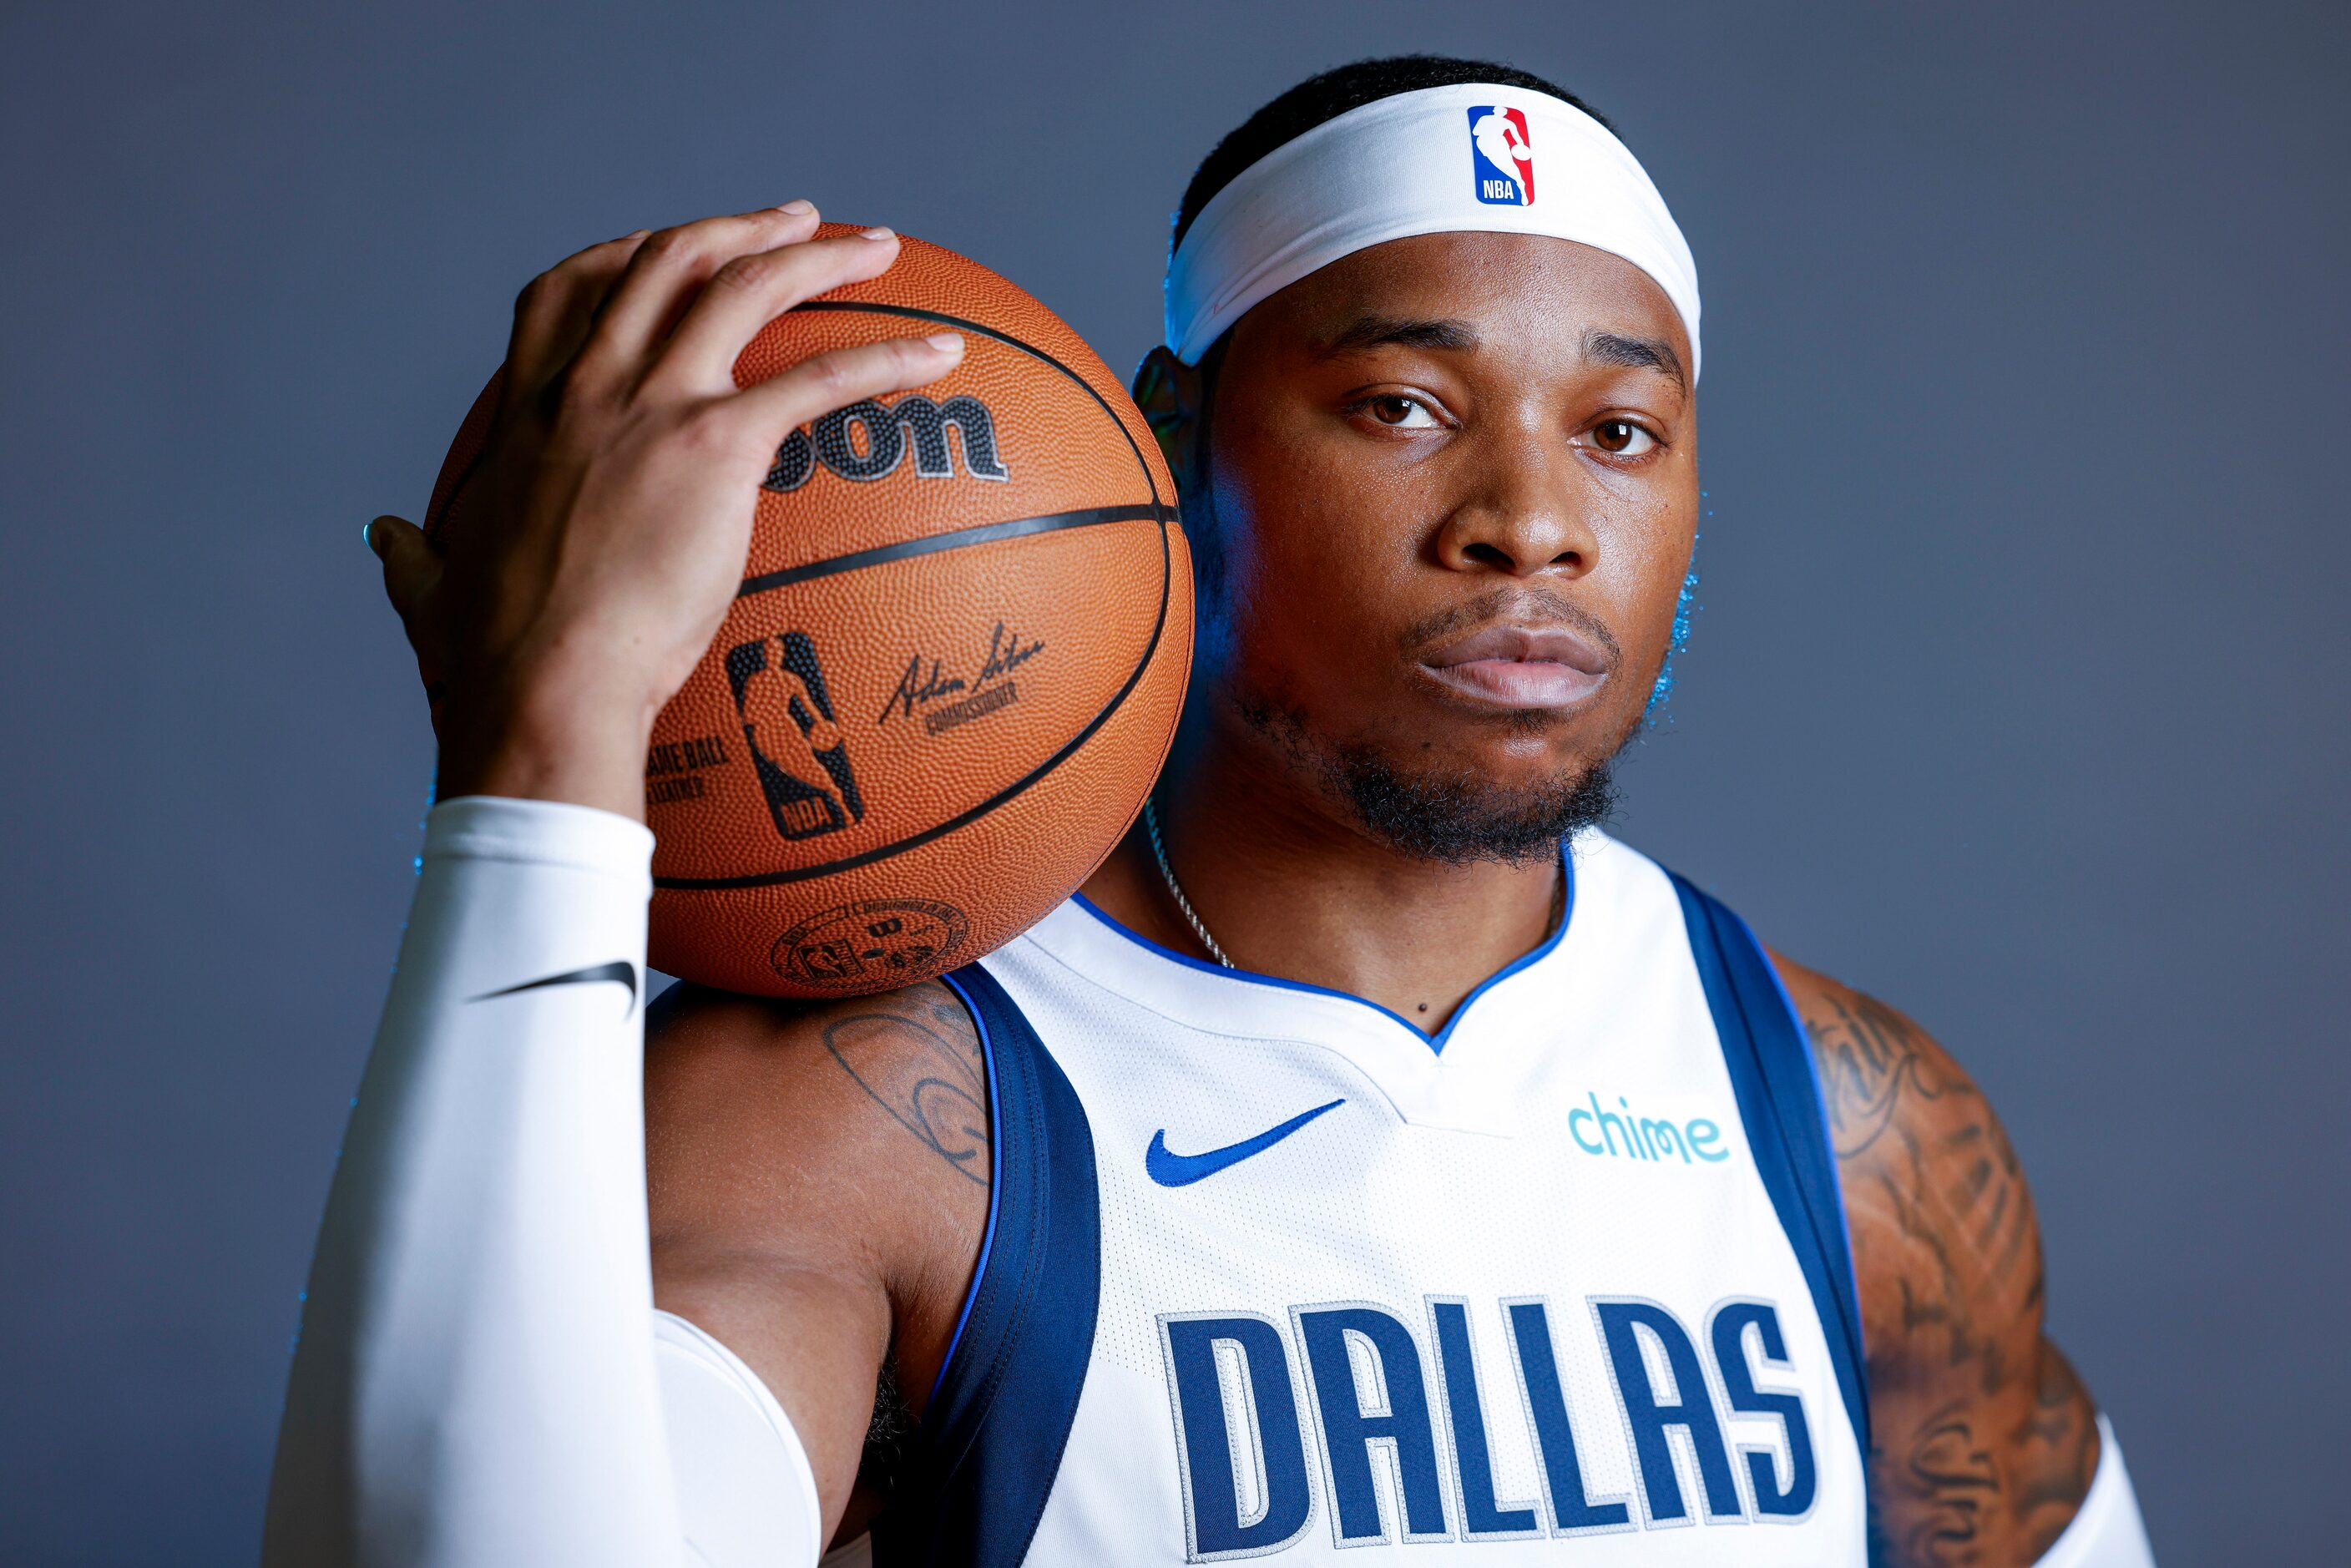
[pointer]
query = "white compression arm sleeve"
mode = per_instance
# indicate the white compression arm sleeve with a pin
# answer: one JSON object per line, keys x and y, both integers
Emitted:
{"x": 2106, "y": 1531}
{"x": 482, "y": 1378}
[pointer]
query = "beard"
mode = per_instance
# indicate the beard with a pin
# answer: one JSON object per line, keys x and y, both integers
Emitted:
{"x": 1457, "y": 816}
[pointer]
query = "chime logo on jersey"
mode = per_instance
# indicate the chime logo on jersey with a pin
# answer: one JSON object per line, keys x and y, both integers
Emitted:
{"x": 1501, "y": 157}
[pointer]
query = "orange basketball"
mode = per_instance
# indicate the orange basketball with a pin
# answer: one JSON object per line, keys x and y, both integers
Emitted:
{"x": 952, "y": 670}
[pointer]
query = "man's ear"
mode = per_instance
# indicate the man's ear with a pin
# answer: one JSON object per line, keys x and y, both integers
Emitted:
{"x": 1168, "y": 391}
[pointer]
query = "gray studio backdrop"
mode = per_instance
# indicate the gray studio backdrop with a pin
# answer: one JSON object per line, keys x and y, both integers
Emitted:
{"x": 2016, "y": 695}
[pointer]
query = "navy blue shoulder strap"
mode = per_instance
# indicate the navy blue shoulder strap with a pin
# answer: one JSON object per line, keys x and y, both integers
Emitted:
{"x": 1778, "y": 1090}
{"x": 974, "y": 1484}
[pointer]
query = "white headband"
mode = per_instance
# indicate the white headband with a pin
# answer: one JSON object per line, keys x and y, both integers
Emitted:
{"x": 1472, "y": 158}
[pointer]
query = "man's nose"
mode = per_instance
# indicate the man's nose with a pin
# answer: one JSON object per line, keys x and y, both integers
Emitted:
{"x": 1524, "y": 512}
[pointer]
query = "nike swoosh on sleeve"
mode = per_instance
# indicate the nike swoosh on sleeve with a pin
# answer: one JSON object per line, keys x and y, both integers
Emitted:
{"x": 1171, "y": 1170}
{"x": 619, "y": 971}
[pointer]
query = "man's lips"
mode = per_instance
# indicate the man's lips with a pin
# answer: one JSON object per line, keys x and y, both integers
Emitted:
{"x": 1519, "y": 666}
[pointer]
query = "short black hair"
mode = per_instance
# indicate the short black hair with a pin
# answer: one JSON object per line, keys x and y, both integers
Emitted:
{"x": 1332, "y": 94}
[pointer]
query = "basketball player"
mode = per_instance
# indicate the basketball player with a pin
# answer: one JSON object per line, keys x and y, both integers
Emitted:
{"x": 1373, "y": 1155}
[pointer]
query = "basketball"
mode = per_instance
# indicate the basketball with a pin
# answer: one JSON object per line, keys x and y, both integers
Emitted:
{"x": 953, "y": 668}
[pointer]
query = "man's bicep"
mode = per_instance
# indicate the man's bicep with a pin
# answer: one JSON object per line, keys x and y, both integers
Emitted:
{"x": 815, "y": 1176}
{"x": 1943, "y": 1226}
{"x": 815, "y": 1340}
{"x": 1983, "y": 1439}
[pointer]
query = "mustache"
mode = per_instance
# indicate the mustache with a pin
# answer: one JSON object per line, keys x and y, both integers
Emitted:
{"x": 1522, "y": 606}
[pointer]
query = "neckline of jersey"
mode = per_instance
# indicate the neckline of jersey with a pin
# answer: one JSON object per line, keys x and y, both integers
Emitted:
{"x": 1436, "y": 1042}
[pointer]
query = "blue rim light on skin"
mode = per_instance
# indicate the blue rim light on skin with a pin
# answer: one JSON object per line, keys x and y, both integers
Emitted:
{"x": 1686, "y": 604}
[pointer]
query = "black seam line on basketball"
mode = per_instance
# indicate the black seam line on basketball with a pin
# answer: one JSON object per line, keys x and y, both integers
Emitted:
{"x": 851, "y": 862}
{"x": 915, "y": 313}
{"x": 619, "y": 971}
{"x": 985, "y": 533}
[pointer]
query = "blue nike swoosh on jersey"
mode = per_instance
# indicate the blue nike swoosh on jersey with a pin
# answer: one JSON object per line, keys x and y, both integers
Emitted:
{"x": 1171, "y": 1170}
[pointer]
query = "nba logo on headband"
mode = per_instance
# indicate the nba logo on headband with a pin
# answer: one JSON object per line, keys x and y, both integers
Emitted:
{"x": 1391, "y": 170}
{"x": 1501, "y": 157}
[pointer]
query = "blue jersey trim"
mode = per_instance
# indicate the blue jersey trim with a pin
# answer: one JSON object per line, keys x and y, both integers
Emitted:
{"x": 1828, "y": 1133}
{"x": 1436, "y": 1041}
{"x": 1778, "y": 1092}
{"x": 995, "y": 1187}
{"x": 974, "y": 1485}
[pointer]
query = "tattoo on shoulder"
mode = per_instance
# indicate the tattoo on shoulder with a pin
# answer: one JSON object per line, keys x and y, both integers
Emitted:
{"x": 1951, "y": 1177}
{"x": 1868, "y": 1055}
{"x": 918, "y": 1057}
{"x": 1985, "y": 1440}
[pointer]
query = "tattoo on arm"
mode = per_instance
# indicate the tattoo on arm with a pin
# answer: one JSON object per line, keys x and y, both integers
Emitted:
{"x": 2060, "y": 1444}
{"x": 1868, "y": 1054}
{"x": 920, "y": 1061}
{"x": 1904, "y": 1118}
{"x": 1985, "y": 1442}
{"x": 1951, "y": 1471}
{"x": 1958, "y": 1492}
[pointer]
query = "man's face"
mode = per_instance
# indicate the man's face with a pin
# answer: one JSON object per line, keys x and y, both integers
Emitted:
{"x": 1456, "y": 480}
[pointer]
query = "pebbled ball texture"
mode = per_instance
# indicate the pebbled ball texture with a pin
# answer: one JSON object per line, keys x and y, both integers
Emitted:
{"x": 952, "y": 670}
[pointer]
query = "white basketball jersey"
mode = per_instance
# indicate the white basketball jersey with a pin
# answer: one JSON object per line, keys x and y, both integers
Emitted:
{"x": 1272, "y": 1272}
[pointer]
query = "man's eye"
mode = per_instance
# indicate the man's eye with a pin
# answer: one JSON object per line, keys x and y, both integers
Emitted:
{"x": 1621, "y": 438}
{"x": 1401, "y": 412}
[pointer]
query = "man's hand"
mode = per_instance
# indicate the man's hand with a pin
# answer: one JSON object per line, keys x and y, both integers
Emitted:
{"x": 610, "y": 513}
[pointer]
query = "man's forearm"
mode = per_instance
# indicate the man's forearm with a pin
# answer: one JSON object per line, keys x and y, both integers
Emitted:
{"x": 476, "y": 1378}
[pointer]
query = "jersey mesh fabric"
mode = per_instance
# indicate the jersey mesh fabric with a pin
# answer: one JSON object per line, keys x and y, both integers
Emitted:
{"x": 1459, "y": 1184}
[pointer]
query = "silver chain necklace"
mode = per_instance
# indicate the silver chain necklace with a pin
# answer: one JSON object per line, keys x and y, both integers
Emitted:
{"x": 1175, "y": 888}
{"x": 1199, "y": 929}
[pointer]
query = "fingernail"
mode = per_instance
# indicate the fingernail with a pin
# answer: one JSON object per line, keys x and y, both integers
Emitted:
{"x": 879, "y": 233}
{"x": 367, "y": 533}
{"x": 946, "y": 342}
{"x": 799, "y": 209}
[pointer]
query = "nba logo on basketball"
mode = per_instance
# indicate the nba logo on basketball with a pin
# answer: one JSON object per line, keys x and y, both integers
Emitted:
{"x": 1501, "y": 157}
{"x": 795, "y": 740}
